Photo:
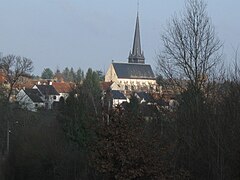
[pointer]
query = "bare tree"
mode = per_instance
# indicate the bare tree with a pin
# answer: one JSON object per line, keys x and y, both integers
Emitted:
{"x": 15, "y": 67}
{"x": 190, "y": 46}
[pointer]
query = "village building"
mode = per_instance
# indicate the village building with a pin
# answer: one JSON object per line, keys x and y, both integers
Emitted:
{"x": 144, "y": 97}
{"x": 30, "y": 99}
{"x": 63, "y": 89}
{"x": 118, "y": 98}
{"x": 134, "y": 75}
{"x": 49, "y": 94}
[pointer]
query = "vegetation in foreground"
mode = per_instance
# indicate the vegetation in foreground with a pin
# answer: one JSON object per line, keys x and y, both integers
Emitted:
{"x": 198, "y": 140}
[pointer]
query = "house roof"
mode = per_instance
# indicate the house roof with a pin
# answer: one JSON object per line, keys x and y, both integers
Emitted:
{"x": 47, "y": 90}
{"x": 105, "y": 85}
{"x": 133, "y": 71}
{"x": 117, "y": 95}
{"x": 62, "y": 87}
{"x": 146, "y": 96}
{"x": 33, "y": 94}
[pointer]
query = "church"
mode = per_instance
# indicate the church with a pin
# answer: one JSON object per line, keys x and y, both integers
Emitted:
{"x": 135, "y": 75}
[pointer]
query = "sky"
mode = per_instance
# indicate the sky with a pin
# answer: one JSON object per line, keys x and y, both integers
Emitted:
{"x": 91, "y": 33}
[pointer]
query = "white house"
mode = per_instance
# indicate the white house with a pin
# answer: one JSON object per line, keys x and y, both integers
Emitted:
{"x": 118, "y": 98}
{"x": 63, "y": 89}
{"x": 49, "y": 93}
{"x": 30, "y": 99}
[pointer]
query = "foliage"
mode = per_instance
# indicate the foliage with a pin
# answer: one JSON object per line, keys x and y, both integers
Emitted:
{"x": 81, "y": 109}
{"x": 123, "y": 149}
{"x": 47, "y": 74}
{"x": 72, "y": 76}
{"x": 100, "y": 75}
{"x": 39, "y": 150}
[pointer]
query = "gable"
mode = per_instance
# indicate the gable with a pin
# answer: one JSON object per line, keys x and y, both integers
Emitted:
{"x": 111, "y": 74}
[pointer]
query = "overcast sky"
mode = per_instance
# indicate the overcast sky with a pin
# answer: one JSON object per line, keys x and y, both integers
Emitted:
{"x": 92, "y": 33}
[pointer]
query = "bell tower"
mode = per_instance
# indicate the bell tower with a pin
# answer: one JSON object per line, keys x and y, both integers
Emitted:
{"x": 136, "y": 55}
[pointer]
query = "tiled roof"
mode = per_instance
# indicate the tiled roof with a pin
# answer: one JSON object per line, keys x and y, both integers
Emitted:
{"x": 34, "y": 95}
{"x": 47, "y": 90}
{"x": 62, "y": 87}
{"x": 133, "y": 71}
{"x": 105, "y": 85}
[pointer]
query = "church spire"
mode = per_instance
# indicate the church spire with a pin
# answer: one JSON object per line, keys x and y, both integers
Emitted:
{"x": 136, "y": 55}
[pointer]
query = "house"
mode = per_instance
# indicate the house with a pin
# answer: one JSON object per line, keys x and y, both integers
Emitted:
{"x": 118, "y": 98}
{"x": 63, "y": 89}
{"x": 144, "y": 97}
{"x": 31, "y": 99}
{"x": 110, "y": 85}
{"x": 49, "y": 94}
{"x": 134, "y": 75}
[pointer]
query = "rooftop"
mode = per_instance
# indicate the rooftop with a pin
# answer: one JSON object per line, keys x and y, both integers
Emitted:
{"x": 34, "y": 95}
{"x": 133, "y": 71}
{"x": 47, "y": 90}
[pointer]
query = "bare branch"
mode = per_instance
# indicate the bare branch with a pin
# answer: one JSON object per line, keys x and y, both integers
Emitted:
{"x": 190, "y": 46}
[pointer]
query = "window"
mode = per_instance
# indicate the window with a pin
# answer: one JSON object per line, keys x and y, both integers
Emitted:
{"x": 36, "y": 105}
{"x": 54, "y": 97}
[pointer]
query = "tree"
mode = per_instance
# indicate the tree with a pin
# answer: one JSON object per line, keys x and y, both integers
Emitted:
{"x": 81, "y": 108}
{"x": 190, "y": 46}
{"x": 124, "y": 149}
{"x": 65, "y": 74}
{"x": 79, "y": 76}
{"x": 47, "y": 73}
{"x": 100, "y": 75}
{"x": 15, "y": 67}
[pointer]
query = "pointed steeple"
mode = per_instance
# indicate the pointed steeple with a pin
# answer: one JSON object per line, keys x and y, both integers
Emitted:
{"x": 136, "y": 55}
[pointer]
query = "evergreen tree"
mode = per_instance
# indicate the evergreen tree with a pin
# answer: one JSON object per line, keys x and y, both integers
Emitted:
{"x": 47, "y": 74}
{"x": 79, "y": 76}
{"x": 65, "y": 74}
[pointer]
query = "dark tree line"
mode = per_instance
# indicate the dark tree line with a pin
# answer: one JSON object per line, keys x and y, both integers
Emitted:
{"x": 68, "y": 74}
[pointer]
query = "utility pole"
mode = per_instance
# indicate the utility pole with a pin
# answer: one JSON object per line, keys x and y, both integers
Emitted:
{"x": 8, "y": 137}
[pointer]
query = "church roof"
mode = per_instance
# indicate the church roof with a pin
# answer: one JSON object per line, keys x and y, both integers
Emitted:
{"x": 133, "y": 71}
